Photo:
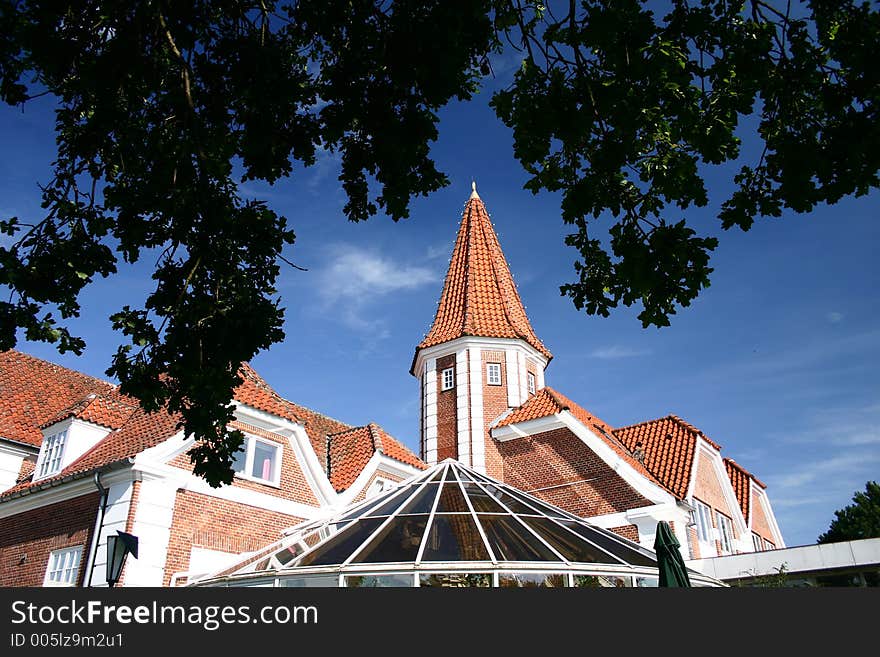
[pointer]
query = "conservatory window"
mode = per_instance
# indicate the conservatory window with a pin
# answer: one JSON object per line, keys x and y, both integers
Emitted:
{"x": 260, "y": 461}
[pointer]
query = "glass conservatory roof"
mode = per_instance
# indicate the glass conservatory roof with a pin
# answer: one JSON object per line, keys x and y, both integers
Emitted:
{"x": 447, "y": 516}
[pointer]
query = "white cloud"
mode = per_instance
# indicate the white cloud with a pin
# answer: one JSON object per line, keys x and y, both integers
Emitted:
{"x": 834, "y": 317}
{"x": 615, "y": 352}
{"x": 355, "y": 278}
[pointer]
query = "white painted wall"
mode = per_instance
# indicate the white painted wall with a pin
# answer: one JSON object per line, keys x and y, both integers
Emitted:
{"x": 115, "y": 517}
{"x": 152, "y": 526}
{"x": 478, "y": 441}
{"x": 429, "y": 407}
{"x": 462, "y": 387}
{"x": 10, "y": 466}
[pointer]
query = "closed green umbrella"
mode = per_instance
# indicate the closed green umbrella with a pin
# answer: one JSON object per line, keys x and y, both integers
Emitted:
{"x": 672, "y": 569}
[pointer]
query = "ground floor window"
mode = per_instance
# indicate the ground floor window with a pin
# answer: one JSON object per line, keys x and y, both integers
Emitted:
{"x": 63, "y": 567}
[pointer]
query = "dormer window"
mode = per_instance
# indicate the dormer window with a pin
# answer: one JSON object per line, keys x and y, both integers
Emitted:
{"x": 260, "y": 461}
{"x": 448, "y": 379}
{"x": 531, "y": 381}
{"x": 51, "y": 453}
{"x": 493, "y": 374}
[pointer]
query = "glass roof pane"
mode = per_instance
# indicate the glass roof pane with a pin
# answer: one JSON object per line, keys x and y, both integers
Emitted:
{"x": 454, "y": 537}
{"x": 462, "y": 474}
{"x": 509, "y": 501}
{"x": 542, "y": 507}
{"x": 617, "y": 547}
{"x": 481, "y": 500}
{"x": 513, "y": 542}
{"x": 339, "y": 548}
{"x": 288, "y": 554}
{"x": 451, "y": 499}
{"x": 364, "y": 508}
{"x": 398, "y": 541}
{"x": 391, "y": 505}
{"x": 423, "y": 501}
{"x": 569, "y": 545}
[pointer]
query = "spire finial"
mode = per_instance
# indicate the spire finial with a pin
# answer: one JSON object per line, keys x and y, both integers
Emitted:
{"x": 474, "y": 190}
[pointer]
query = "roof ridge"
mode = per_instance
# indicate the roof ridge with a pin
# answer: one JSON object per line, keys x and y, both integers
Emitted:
{"x": 376, "y": 435}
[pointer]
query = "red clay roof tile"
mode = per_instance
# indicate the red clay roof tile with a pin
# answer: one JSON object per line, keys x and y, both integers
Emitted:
{"x": 668, "y": 446}
{"x": 350, "y": 451}
{"x": 34, "y": 391}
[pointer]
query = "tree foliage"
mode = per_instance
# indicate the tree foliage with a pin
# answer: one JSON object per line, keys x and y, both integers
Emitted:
{"x": 618, "y": 104}
{"x": 861, "y": 519}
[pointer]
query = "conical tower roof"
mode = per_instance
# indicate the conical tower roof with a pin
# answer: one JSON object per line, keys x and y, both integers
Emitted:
{"x": 479, "y": 296}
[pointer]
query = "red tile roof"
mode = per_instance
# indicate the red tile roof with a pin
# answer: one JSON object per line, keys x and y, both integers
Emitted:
{"x": 479, "y": 296}
{"x": 668, "y": 446}
{"x": 103, "y": 410}
{"x": 548, "y": 402}
{"x": 34, "y": 391}
{"x": 350, "y": 451}
{"x": 739, "y": 479}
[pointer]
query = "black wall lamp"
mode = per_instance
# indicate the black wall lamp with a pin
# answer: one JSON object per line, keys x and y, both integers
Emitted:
{"x": 117, "y": 548}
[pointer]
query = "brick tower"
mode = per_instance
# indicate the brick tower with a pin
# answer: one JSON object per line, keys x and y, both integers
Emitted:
{"x": 481, "y": 356}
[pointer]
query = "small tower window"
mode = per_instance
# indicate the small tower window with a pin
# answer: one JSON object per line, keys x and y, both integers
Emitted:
{"x": 531, "y": 380}
{"x": 493, "y": 374}
{"x": 448, "y": 379}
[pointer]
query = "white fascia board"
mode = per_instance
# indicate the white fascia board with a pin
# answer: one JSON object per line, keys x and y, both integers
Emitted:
{"x": 188, "y": 481}
{"x": 629, "y": 474}
{"x": 768, "y": 513}
{"x": 310, "y": 466}
{"x": 165, "y": 451}
{"x": 61, "y": 492}
{"x": 527, "y": 428}
{"x": 714, "y": 456}
{"x": 263, "y": 420}
{"x": 14, "y": 448}
{"x": 470, "y": 342}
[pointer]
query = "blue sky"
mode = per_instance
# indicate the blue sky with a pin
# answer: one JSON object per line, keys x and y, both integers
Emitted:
{"x": 776, "y": 361}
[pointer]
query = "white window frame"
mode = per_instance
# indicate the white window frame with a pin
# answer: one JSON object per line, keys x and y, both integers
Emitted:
{"x": 62, "y": 568}
{"x": 493, "y": 374}
{"x": 250, "y": 445}
{"x": 447, "y": 379}
{"x": 530, "y": 378}
{"x": 51, "y": 454}
{"x": 725, "y": 532}
{"x": 703, "y": 518}
{"x": 757, "y": 542}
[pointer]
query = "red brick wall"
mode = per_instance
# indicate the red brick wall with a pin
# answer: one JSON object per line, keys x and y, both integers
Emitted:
{"x": 760, "y": 524}
{"x": 34, "y": 534}
{"x": 447, "y": 413}
{"x": 215, "y": 524}
{"x": 627, "y": 531}
{"x": 559, "y": 457}
{"x": 293, "y": 482}
{"x": 693, "y": 542}
{"x": 708, "y": 489}
{"x": 494, "y": 404}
